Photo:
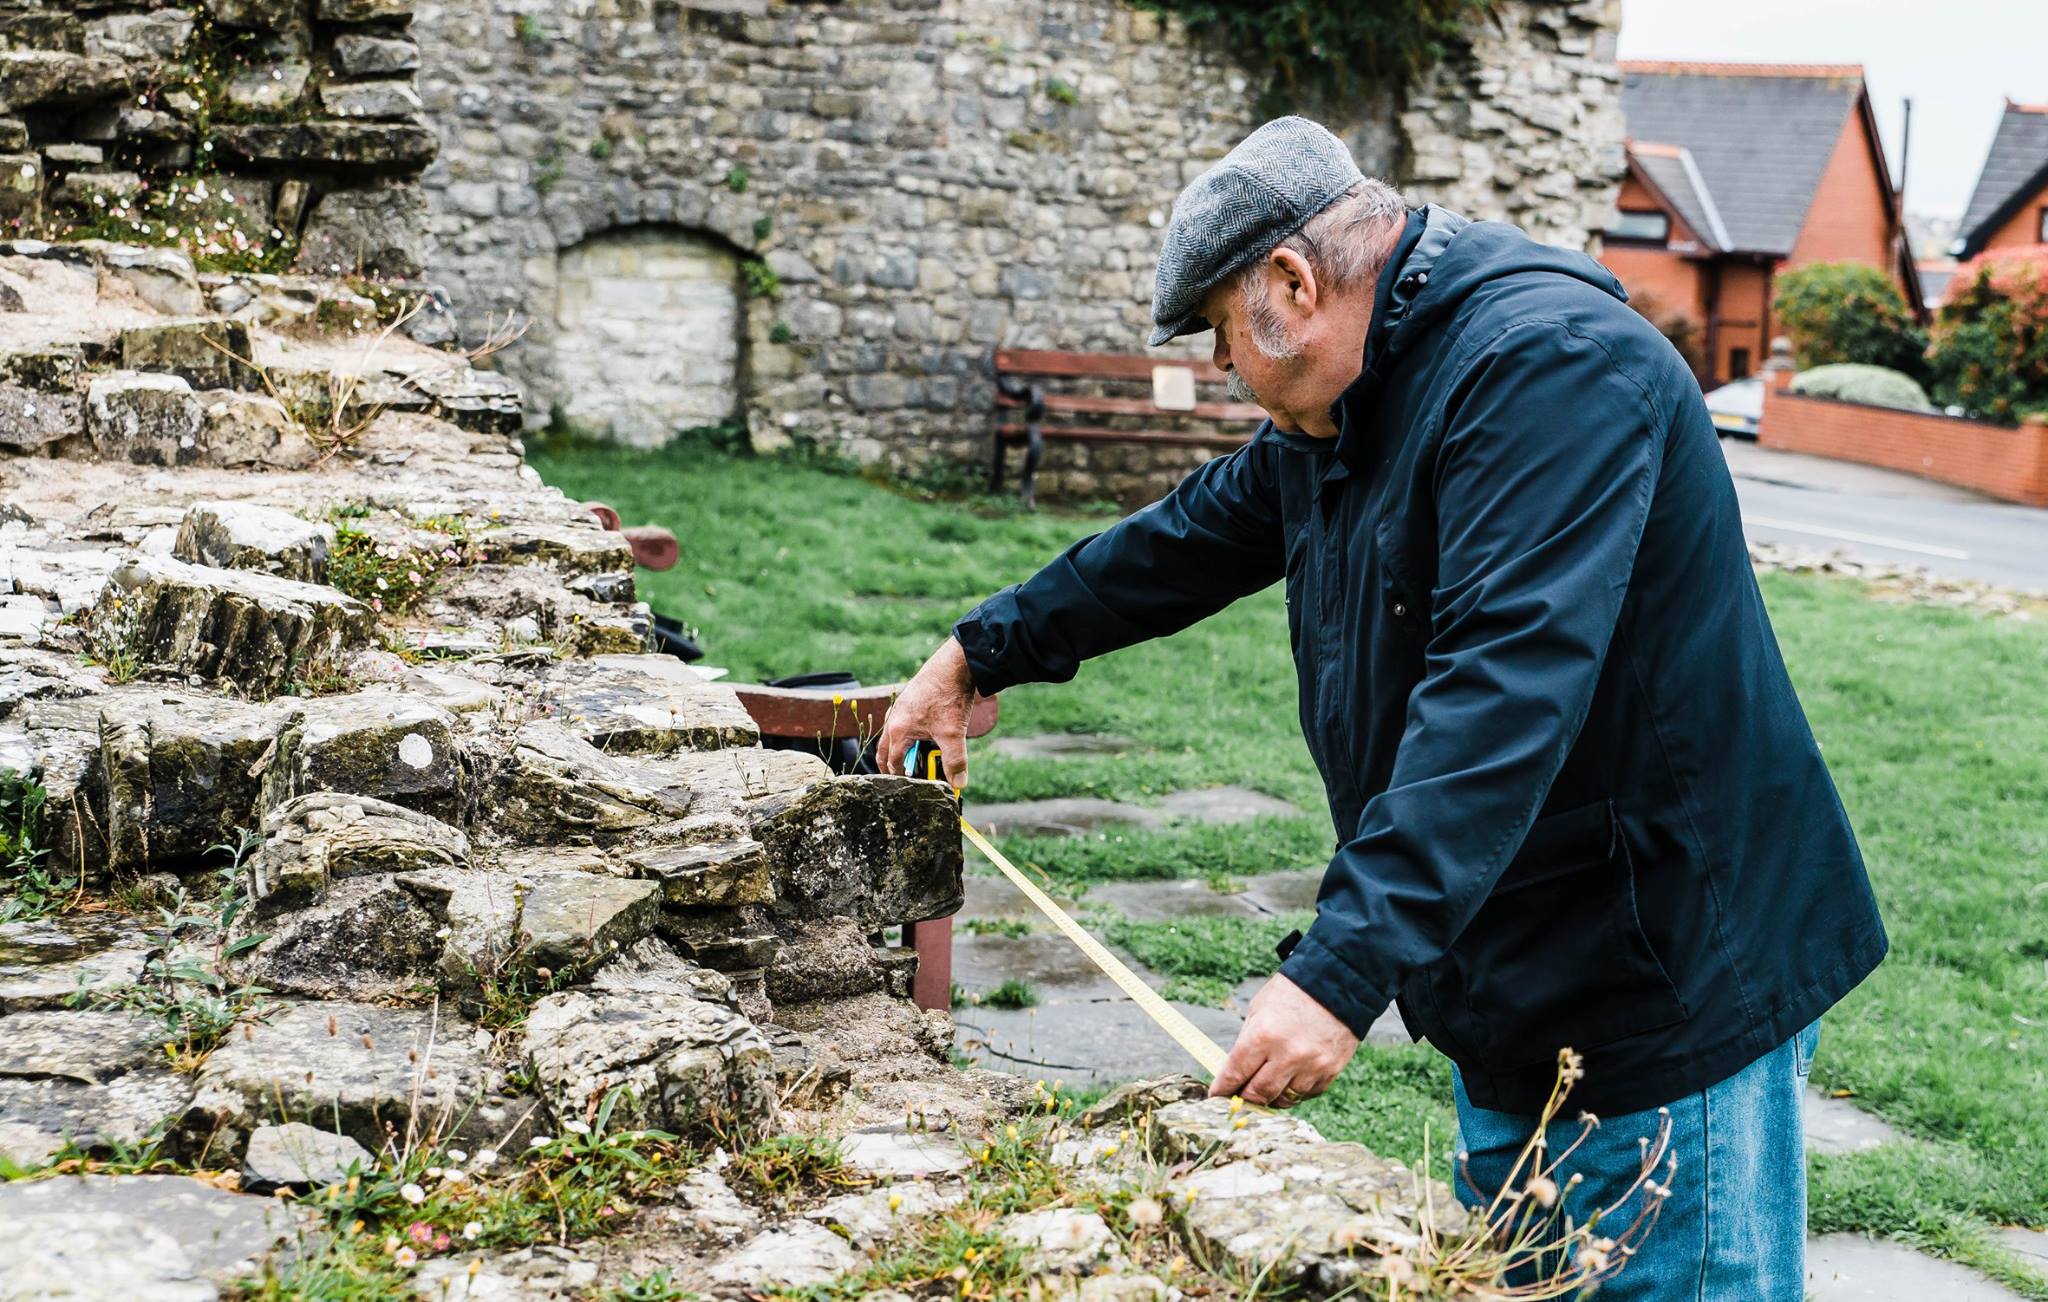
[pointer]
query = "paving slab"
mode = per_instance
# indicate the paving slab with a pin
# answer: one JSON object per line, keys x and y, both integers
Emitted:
{"x": 1291, "y": 890}
{"x": 1077, "y": 815}
{"x": 1058, "y": 745}
{"x": 1851, "y": 1268}
{"x": 2031, "y": 1244}
{"x": 1083, "y": 1029}
{"x": 1185, "y": 897}
{"x": 1839, "y": 1126}
{"x": 1223, "y": 805}
{"x": 1064, "y": 816}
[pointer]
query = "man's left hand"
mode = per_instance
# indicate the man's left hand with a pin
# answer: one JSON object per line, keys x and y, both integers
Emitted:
{"x": 1290, "y": 1049}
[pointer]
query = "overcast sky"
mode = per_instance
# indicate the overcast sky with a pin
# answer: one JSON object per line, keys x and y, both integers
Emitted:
{"x": 1958, "y": 59}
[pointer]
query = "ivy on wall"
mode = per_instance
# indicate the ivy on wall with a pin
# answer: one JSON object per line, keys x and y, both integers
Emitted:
{"x": 1318, "y": 48}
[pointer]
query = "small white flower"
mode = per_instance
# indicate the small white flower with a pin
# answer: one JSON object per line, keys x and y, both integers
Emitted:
{"x": 471, "y": 1230}
{"x": 413, "y": 1194}
{"x": 455, "y": 1154}
{"x": 406, "y": 1257}
{"x": 486, "y": 1157}
{"x": 443, "y": 934}
{"x": 539, "y": 1141}
{"x": 576, "y": 1127}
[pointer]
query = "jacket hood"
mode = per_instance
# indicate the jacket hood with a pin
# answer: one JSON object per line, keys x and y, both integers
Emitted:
{"x": 1441, "y": 260}
{"x": 1452, "y": 258}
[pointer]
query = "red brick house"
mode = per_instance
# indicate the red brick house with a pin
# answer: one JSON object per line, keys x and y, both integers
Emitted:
{"x": 1737, "y": 171}
{"x": 2010, "y": 206}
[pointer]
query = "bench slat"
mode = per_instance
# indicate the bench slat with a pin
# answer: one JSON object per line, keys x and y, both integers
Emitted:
{"x": 1099, "y": 434}
{"x": 1140, "y": 407}
{"x": 809, "y": 712}
{"x": 1099, "y": 366}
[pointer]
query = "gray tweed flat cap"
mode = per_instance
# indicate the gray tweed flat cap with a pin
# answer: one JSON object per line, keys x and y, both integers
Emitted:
{"x": 1233, "y": 214}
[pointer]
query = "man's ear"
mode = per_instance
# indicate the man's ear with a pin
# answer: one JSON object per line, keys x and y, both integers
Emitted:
{"x": 1298, "y": 278}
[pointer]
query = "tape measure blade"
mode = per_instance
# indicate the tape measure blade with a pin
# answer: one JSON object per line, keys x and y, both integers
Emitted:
{"x": 1183, "y": 1032}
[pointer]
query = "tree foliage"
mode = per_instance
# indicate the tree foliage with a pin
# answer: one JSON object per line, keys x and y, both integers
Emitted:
{"x": 1317, "y": 48}
{"x": 1839, "y": 312}
{"x": 1990, "y": 353}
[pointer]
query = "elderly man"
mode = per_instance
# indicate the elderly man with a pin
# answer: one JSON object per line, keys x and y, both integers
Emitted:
{"x": 1576, "y": 799}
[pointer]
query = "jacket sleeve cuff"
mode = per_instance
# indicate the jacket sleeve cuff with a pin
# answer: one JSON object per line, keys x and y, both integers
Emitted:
{"x": 1335, "y": 984}
{"x": 980, "y": 633}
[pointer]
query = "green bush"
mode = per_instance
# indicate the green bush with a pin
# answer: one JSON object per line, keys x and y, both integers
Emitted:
{"x": 1848, "y": 312}
{"x": 1856, "y": 382}
{"x": 1990, "y": 353}
{"x": 1318, "y": 47}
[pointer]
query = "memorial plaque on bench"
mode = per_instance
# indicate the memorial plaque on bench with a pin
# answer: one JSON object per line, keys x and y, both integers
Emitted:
{"x": 1173, "y": 388}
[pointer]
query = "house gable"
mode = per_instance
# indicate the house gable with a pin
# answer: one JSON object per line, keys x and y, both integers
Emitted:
{"x": 2011, "y": 185}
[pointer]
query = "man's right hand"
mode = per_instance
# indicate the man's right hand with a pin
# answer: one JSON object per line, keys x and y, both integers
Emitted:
{"x": 933, "y": 706}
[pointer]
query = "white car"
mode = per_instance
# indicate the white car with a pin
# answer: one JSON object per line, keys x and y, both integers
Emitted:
{"x": 1738, "y": 407}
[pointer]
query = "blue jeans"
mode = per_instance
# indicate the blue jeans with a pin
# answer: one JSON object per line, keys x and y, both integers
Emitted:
{"x": 1734, "y": 1226}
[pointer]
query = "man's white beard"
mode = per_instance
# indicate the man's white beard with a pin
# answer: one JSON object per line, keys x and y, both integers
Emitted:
{"x": 1239, "y": 391}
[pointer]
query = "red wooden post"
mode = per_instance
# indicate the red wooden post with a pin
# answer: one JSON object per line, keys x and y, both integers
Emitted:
{"x": 932, "y": 987}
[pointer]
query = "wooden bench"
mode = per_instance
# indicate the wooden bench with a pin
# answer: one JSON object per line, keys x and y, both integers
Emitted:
{"x": 1113, "y": 398}
{"x": 857, "y": 713}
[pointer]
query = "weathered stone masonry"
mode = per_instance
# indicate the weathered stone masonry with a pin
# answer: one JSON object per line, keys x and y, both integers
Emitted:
{"x": 287, "y": 131}
{"x": 926, "y": 179}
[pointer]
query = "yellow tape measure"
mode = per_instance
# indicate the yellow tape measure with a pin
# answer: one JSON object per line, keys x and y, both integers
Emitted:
{"x": 1185, "y": 1033}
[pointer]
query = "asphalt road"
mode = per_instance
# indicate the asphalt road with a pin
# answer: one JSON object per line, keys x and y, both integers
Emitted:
{"x": 1875, "y": 515}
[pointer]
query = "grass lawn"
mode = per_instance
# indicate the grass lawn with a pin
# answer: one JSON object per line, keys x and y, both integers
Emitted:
{"x": 1935, "y": 723}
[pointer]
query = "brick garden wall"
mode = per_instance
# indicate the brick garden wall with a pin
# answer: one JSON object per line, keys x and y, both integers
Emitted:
{"x": 1996, "y": 459}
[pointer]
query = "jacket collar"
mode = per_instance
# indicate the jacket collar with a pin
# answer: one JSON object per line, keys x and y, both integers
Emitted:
{"x": 1428, "y": 233}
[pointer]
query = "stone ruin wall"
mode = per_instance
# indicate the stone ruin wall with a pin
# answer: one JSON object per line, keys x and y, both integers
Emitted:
{"x": 274, "y": 135}
{"x": 927, "y": 180}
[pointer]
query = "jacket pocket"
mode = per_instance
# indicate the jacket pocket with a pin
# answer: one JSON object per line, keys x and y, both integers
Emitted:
{"x": 1557, "y": 956}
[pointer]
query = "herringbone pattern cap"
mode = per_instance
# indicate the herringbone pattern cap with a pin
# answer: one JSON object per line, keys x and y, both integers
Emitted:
{"x": 1233, "y": 214}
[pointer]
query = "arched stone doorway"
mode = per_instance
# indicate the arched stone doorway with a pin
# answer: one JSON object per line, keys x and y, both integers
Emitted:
{"x": 647, "y": 334}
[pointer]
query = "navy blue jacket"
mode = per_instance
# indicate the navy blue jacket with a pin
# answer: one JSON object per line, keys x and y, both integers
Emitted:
{"x": 1576, "y": 799}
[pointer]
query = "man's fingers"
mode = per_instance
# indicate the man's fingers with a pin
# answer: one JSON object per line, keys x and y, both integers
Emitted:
{"x": 1269, "y": 1084}
{"x": 953, "y": 750}
{"x": 1244, "y": 1060}
{"x": 889, "y": 750}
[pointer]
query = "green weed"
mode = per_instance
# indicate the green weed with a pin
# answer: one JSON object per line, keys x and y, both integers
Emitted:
{"x": 188, "y": 984}
{"x": 29, "y": 887}
{"x": 1013, "y": 928}
{"x": 1012, "y": 994}
{"x": 761, "y": 280}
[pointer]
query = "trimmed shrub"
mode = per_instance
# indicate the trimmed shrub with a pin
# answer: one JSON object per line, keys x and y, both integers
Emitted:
{"x": 1855, "y": 382}
{"x": 1839, "y": 312}
{"x": 1990, "y": 353}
